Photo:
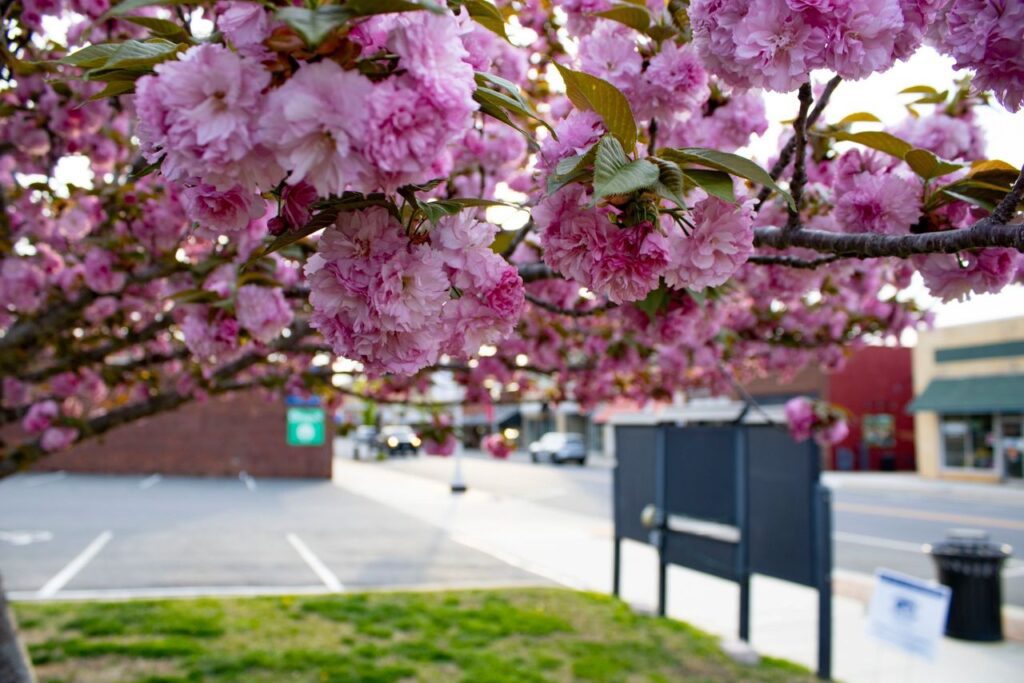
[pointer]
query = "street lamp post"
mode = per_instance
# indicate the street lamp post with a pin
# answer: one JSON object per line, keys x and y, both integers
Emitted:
{"x": 458, "y": 483}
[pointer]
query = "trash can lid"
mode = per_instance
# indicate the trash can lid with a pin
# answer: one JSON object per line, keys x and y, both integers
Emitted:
{"x": 969, "y": 543}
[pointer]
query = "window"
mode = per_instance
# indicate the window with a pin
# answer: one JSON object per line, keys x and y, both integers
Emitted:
{"x": 967, "y": 441}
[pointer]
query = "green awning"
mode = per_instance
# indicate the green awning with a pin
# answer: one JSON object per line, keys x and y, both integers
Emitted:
{"x": 993, "y": 394}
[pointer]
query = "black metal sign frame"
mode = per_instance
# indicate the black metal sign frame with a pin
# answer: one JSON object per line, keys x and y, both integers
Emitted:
{"x": 762, "y": 476}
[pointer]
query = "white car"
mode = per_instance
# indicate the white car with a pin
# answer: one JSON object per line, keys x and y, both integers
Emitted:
{"x": 559, "y": 447}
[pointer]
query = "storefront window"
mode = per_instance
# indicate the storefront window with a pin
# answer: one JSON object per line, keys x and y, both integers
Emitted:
{"x": 1013, "y": 446}
{"x": 968, "y": 441}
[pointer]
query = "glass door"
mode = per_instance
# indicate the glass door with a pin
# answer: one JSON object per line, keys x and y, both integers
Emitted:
{"x": 1012, "y": 442}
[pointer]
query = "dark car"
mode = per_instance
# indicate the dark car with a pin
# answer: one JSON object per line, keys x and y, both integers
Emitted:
{"x": 559, "y": 447}
{"x": 398, "y": 440}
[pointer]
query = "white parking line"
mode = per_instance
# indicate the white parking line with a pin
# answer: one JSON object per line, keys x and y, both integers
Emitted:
{"x": 249, "y": 482}
{"x": 150, "y": 481}
{"x": 61, "y": 578}
{"x": 46, "y": 478}
{"x": 318, "y": 567}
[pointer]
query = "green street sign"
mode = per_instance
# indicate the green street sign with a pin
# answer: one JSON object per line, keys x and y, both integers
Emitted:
{"x": 305, "y": 427}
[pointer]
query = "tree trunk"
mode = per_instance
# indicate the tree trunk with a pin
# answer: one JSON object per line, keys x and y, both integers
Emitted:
{"x": 15, "y": 666}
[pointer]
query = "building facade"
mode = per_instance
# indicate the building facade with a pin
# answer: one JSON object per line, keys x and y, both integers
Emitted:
{"x": 222, "y": 436}
{"x": 969, "y": 405}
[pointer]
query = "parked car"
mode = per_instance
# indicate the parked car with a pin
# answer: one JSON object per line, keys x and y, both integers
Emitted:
{"x": 398, "y": 439}
{"x": 559, "y": 447}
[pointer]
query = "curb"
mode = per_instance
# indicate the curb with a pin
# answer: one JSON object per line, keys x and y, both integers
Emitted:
{"x": 859, "y": 587}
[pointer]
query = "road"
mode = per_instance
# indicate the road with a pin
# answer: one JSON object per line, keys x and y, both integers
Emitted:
{"x": 90, "y": 535}
{"x": 872, "y": 528}
{"x": 94, "y": 536}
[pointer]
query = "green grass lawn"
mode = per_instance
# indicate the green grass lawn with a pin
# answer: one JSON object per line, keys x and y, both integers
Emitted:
{"x": 471, "y": 636}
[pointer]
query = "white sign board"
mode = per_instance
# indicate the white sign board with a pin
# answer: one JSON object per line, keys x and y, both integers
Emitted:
{"x": 908, "y": 613}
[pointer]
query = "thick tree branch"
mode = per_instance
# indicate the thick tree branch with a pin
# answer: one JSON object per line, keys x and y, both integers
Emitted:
{"x": 531, "y": 272}
{"x": 985, "y": 233}
{"x": 791, "y": 261}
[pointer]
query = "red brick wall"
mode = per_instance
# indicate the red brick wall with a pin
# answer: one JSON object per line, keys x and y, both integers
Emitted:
{"x": 877, "y": 379}
{"x": 222, "y": 436}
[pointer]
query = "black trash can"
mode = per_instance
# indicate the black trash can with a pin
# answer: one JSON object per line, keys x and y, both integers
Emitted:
{"x": 971, "y": 566}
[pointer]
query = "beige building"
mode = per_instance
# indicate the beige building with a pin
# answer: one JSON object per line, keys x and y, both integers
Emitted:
{"x": 969, "y": 402}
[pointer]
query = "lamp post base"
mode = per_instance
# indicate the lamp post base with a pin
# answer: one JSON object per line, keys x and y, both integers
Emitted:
{"x": 458, "y": 488}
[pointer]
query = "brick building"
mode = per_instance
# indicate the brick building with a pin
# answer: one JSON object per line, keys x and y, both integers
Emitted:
{"x": 223, "y": 436}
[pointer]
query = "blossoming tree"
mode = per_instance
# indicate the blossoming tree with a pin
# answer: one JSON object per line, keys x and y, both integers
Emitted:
{"x": 268, "y": 190}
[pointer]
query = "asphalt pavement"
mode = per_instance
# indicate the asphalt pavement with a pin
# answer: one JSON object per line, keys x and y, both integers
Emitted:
{"x": 82, "y": 534}
{"x": 95, "y": 536}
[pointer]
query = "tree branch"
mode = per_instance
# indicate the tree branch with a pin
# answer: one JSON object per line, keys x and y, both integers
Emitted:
{"x": 985, "y": 233}
{"x": 571, "y": 312}
{"x": 531, "y": 272}
{"x": 792, "y": 261}
{"x": 796, "y": 185}
{"x": 786, "y": 155}
{"x": 517, "y": 240}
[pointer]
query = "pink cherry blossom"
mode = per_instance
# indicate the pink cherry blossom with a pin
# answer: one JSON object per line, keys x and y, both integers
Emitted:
{"x": 200, "y": 113}
{"x": 58, "y": 438}
{"x": 313, "y": 124}
{"x": 885, "y": 203}
{"x": 984, "y": 35}
{"x": 721, "y": 241}
{"x": 262, "y": 311}
{"x": 800, "y": 416}
{"x": 218, "y": 212}
{"x": 100, "y": 273}
{"x": 40, "y": 416}
{"x": 21, "y": 285}
{"x": 953, "y": 277}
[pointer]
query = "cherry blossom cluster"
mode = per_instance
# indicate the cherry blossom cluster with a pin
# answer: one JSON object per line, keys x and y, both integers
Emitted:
{"x": 396, "y": 303}
{"x": 219, "y": 127}
{"x": 821, "y": 420}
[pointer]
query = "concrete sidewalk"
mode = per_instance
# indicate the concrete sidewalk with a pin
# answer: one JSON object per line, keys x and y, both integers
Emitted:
{"x": 576, "y": 550}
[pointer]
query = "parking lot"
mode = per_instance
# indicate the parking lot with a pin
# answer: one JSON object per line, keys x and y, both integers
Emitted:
{"x": 64, "y": 535}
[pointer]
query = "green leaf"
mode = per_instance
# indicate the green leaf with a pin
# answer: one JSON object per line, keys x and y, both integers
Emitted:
{"x": 123, "y": 8}
{"x": 438, "y": 209}
{"x": 656, "y": 300}
{"x": 615, "y": 174}
{"x": 590, "y": 93}
{"x": 883, "y": 142}
{"x": 134, "y": 53}
{"x": 714, "y": 183}
{"x": 927, "y": 165}
{"x": 92, "y": 56}
{"x": 487, "y": 15}
{"x": 367, "y": 8}
{"x": 732, "y": 164}
{"x": 194, "y": 296}
{"x": 923, "y": 89}
{"x": 633, "y": 16}
{"x": 113, "y": 89}
{"x": 503, "y": 240}
{"x": 162, "y": 28}
{"x": 671, "y": 182}
{"x": 315, "y": 24}
{"x": 508, "y": 97}
{"x": 860, "y": 116}
{"x": 147, "y": 169}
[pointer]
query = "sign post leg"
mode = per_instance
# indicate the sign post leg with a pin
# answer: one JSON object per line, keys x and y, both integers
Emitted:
{"x": 458, "y": 483}
{"x": 823, "y": 522}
